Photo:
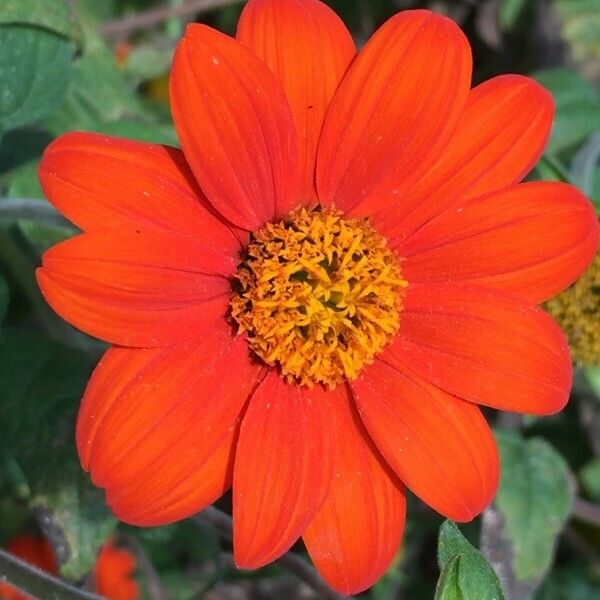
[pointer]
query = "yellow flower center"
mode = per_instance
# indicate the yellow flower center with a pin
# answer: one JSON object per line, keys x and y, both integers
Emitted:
{"x": 577, "y": 311}
{"x": 318, "y": 295}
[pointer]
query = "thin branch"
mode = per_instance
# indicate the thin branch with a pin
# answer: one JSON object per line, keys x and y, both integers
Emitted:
{"x": 154, "y": 586}
{"x": 150, "y": 18}
{"x": 13, "y": 209}
{"x": 37, "y": 583}
{"x": 289, "y": 561}
{"x": 586, "y": 511}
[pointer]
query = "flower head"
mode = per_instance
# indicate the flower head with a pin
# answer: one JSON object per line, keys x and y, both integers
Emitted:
{"x": 309, "y": 300}
{"x": 577, "y": 310}
{"x": 112, "y": 572}
{"x": 34, "y": 550}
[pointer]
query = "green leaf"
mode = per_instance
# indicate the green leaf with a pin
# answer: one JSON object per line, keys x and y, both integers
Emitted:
{"x": 157, "y": 133}
{"x": 577, "y": 108}
{"x": 42, "y": 382}
{"x": 54, "y": 15}
{"x": 24, "y": 182}
{"x": 585, "y": 164}
{"x": 20, "y": 146}
{"x": 534, "y": 498}
{"x": 98, "y": 94}
{"x": 41, "y": 237}
{"x": 510, "y": 13}
{"x": 465, "y": 573}
{"x": 589, "y": 475}
{"x": 35, "y": 69}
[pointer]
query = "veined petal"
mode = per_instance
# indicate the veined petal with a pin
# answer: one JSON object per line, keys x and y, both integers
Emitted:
{"x": 308, "y": 48}
{"x": 137, "y": 288}
{"x": 180, "y": 492}
{"x": 395, "y": 109}
{"x": 282, "y": 469}
{"x": 143, "y": 407}
{"x": 533, "y": 239}
{"x": 440, "y": 447}
{"x": 235, "y": 127}
{"x": 100, "y": 182}
{"x": 484, "y": 346}
{"x": 499, "y": 138}
{"x": 357, "y": 531}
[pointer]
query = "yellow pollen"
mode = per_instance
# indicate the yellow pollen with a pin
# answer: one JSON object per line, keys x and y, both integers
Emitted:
{"x": 318, "y": 295}
{"x": 577, "y": 311}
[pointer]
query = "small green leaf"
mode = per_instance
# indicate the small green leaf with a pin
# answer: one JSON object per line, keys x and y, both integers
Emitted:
{"x": 42, "y": 382}
{"x": 466, "y": 575}
{"x": 35, "y": 69}
{"x": 54, "y": 15}
{"x": 577, "y": 108}
{"x": 535, "y": 498}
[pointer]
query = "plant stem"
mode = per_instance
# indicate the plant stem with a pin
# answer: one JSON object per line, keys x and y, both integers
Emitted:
{"x": 37, "y": 583}
{"x": 150, "y": 18}
{"x": 586, "y": 512}
{"x": 13, "y": 209}
{"x": 289, "y": 561}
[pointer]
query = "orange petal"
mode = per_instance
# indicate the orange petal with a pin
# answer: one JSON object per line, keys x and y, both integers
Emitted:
{"x": 34, "y": 550}
{"x": 282, "y": 469}
{"x": 170, "y": 412}
{"x": 395, "y": 109}
{"x": 177, "y": 494}
{"x": 440, "y": 447}
{"x": 235, "y": 127}
{"x": 113, "y": 573}
{"x": 100, "y": 182}
{"x": 499, "y": 138}
{"x": 533, "y": 239}
{"x": 484, "y": 346}
{"x": 308, "y": 48}
{"x": 137, "y": 288}
{"x": 356, "y": 533}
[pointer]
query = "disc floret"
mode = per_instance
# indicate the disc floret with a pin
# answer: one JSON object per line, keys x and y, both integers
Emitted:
{"x": 318, "y": 295}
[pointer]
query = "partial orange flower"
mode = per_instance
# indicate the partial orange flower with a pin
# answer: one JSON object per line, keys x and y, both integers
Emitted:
{"x": 32, "y": 549}
{"x": 113, "y": 571}
{"x": 310, "y": 299}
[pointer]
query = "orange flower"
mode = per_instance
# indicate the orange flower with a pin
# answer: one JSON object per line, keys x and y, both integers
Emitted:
{"x": 32, "y": 549}
{"x": 310, "y": 300}
{"x": 112, "y": 571}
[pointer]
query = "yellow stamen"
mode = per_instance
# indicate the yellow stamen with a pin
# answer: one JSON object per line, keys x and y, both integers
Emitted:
{"x": 577, "y": 311}
{"x": 318, "y": 295}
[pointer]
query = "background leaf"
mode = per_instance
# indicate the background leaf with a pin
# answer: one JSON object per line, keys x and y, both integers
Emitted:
{"x": 54, "y": 15}
{"x": 577, "y": 108}
{"x": 35, "y": 70}
{"x": 535, "y": 496}
{"x": 465, "y": 573}
{"x": 42, "y": 382}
